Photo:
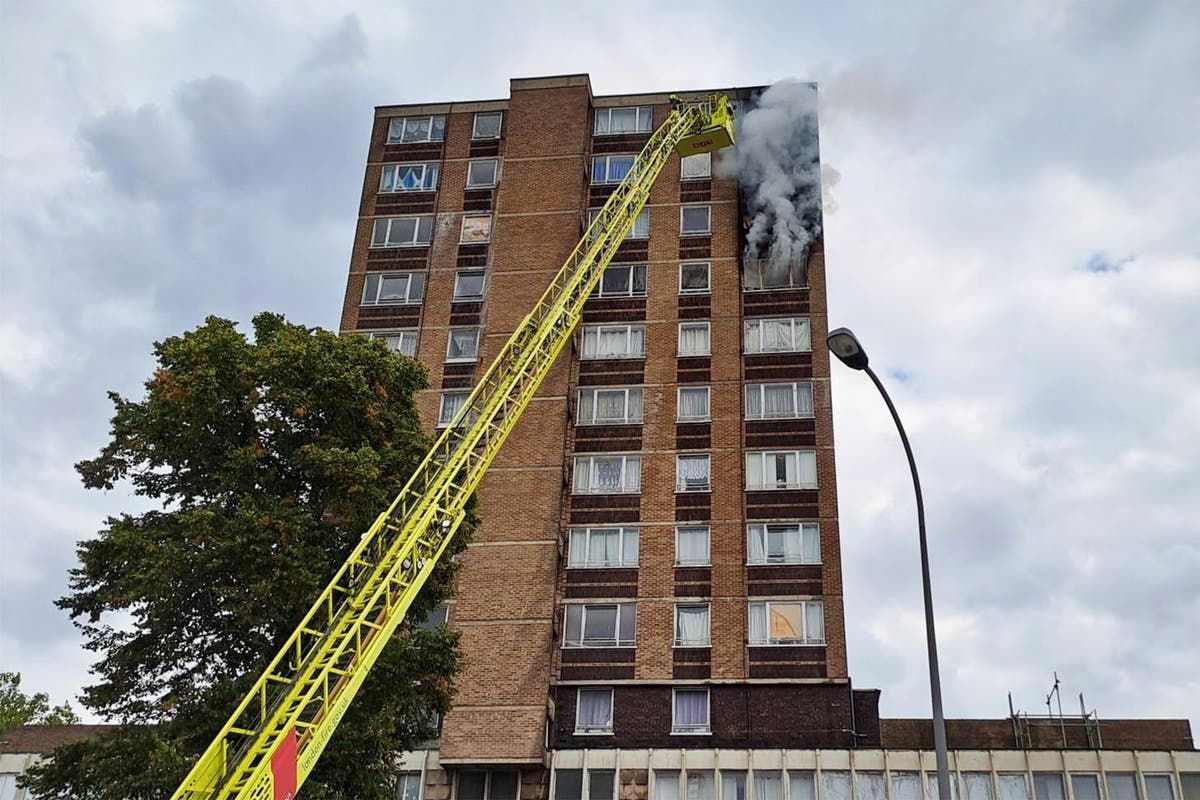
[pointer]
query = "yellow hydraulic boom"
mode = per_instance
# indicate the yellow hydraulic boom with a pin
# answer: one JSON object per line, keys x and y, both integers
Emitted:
{"x": 273, "y": 740}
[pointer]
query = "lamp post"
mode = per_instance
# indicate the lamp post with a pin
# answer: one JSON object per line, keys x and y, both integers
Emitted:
{"x": 849, "y": 351}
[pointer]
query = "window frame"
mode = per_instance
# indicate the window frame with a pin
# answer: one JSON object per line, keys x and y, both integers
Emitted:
{"x": 707, "y": 176}
{"x": 599, "y": 292}
{"x": 404, "y": 125}
{"x": 405, "y": 775}
{"x": 408, "y": 289}
{"x": 605, "y": 731}
{"x": 762, "y": 400}
{"x": 455, "y": 297}
{"x": 679, "y": 390}
{"x": 639, "y": 111}
{"x": 676, "y": 642}
{"x": 707, "y": 273}
{"x": 807, "y": 641}
{"x": 602, "y": 326}
{"x": 450, "y": 341}
{"x": 623, "y": 534}
{"x": 694, "y": 730}
{"x": 476, "y": 136}
{"x": 746, "y": 323}
{"x": 627, "y": 419}
{"x": 402, "y": 333}
{"x": 427, "y": 167}
{"x": 416, "y": 241}
{"x": 487, "y": 781}
{"x": 495, "y": 162}
{"x": 632, "y": 235}
{"x": 462, "y": 231}
{"x": 707, "y": 535}
{"x": 707, "y": 326}
{"x": 620, "y": 641}
{"x": 801, "y": 528}
{"x": 443, "y": 420}
{"x": 607, "y": 158}
{"x": 590, "y": 460}
{"x": 708, "y": 217}
{"x": 800, "y": 485}
{"x": 681, "y": 485}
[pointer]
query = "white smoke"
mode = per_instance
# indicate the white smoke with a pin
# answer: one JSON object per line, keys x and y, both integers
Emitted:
{"x": 777, "y": 163}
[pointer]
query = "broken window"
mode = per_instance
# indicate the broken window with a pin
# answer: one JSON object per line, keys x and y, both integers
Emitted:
{"x": 476, "y": 230}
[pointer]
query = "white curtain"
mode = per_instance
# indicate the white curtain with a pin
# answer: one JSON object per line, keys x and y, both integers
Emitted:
{"x": 692, "y": 546}
{"x": 582, "y": 475}
{"x": 610, "y": 406}
{"x": 814, "y": 621}
{"x": 808, "y": 468}
{"x": 801, "y": 786}
{"x": 1049, "y": 786}
{"x": 577, "y": 554}
{"x": 758, "y": 623}
{"x": 804, "y": 399}
{"x": 595, "y": 708}
{"x": 691, "y": 624}
{"x": 699, "y": 785}
{"x": 613, "y": 342}
{"x": 812, "y": 544}
{"x": 791, "y": 544}
{"x": 754, "y": 470}
{"x": 835, "y": 785}
{"x": 608, "y": 474}
{"x": 802, "y": 335}
{"x": 753, "y": 401}
{"x": 1013, "y": 787}
{"x": 755, "y": 549}
{"x": 587, "y": 405}
{"x": 629, "y": 547}
{"x": 733, "y": 786}
{"x": 978, "y": 786}
{"x": 691, "y": 708}
{"x": 691, "y": 470}
{"x": 778, "y": 400}
{"x": 666, "y": 785}
{"x": 604, "y": 547}
{"x": 870, "y": 786}
{"x": 693, "y": 403}
{"x": 633, "y": 474}
{"x": 776, "y": 334}
{"x": 768, "y": 786}
{"x": 693, "y": 339}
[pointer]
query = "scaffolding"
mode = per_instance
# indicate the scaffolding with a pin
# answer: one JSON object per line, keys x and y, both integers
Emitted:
{"x": 1033, "y": 731}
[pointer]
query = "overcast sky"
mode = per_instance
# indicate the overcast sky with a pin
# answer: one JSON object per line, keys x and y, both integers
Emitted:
{"x": 1012, "y": 228}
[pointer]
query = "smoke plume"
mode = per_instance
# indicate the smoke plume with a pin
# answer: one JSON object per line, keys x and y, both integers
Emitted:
{"x": 777, "y": 164}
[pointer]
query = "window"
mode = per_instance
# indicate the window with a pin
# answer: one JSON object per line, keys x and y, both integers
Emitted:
{"x": 1046, "y": 786}
{"x": 614, "y": 341}
{"x": 611, "y": 169}
{"x": 487, "y": 125}
{"x": 666, "y": 785}
{"x": 691, "y": 625}
{"x": 789, "y": 334}
{"x": 802, "y": 786}
{"x": 402, "y": 232}
{"x": 835, "y": 785}
{"x": 481, "y": 174}
{"x": 869, "y": 786}
{"x": 779, "y": 400}
{"x": 407, "y": 130}
{"x": 393, "y": 288}
{"x": 601, "y": 783}
{"x": 932, "y": 782}
{"x": 408, "y": 786}
{"x": 451, "y": 403}
{"x": 608, "y": 475}
{"x": 692, "y": 547}
{"x": 594, "y": 713}
{"x": 490, "y": 785}
{"x": 462, "y": 344}
{"x": 697, "y": 167}
{"x": 1120, "y": 785}
{"x": 468, "y": 285}
{"x": 767, "y": 273}
{"x": 635, "y": 119}
{"x": 640, "y": 228}
{"x": 699, "y": 785}
{"x": 783, "y": 543}
{"x": 1158, "y": 787}
{"x": 1083, "y": 787}
{"x": 1013, "y": 787}
{"x": 568, "y": 784}
{"x": 733, "y": 785}
{"x": 622, "y": 280}
{"x": 437, "y": 617}
{"x": 691, "y": 473}
{"x": 689, "y": 712}
{"x": 603, "y": 547}
{"x": 476, "y": 229}
{"x": 768, "y": 785}
{"x": 600, "y": 625}
{"x": 8, "y": 785}
{"x": 693, "y": 277}
{"x": 907, "y": 785}
{"x": 694, "y": 220}
{"x": 609, "y": 406}
{"x": 402, "y": 342}
{"x": 692, "y": 404}
{"x": 1189, "y": 785}
{"x": 787, "y": 622}
{"x": 693, "y": 339}
{"x": 408, "y": 178}
{"x": 781, "y": 469}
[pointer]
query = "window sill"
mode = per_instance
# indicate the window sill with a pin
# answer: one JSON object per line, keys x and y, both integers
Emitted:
{"x": 601, "y": 493}
{"x": 422, "y": 190}
{"x": 692, "y": 178}
{"x": 461, "y": 360}
{"x": 706, "y": 354}
{"x": 593, "y": 733}
{"x": 705, "y": 490}
{"x": 753, "y": 289}
{"x": 388, "y": 305}
{"x": 821, "y": 643}
{"x": 397, "y": 246}
{"x": 784, "y": 564}
{"x": 629, "y": 357}
{"x": 602, "y": 566}
{"x": 598, "y": 647}
{"x": 691, "y": 420}
{"x": 474, "y": 298}
{"x": 705, "y": 565}
{"x": 480, "y": 241}
{"x": 471, "y": 188}
{"x": 691, "y": 733}
{"x": 695, "y": 292}
{"x": 637, "y": 296}
{"x": 797, "y": 488}
{"x": 776, "y": 419}
{"x": 416, "y": 141}
{"x": 687, "y": 234}
{"x": 594, "y": 423}
{"x": 705, "y": 646}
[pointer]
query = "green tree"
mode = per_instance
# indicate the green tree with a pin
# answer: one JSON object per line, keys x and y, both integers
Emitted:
{"x": 18, "y": 708}
{"x": 266, "y": 460}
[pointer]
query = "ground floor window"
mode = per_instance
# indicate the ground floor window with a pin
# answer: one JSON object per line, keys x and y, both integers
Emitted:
{"x": 499, "y": 784}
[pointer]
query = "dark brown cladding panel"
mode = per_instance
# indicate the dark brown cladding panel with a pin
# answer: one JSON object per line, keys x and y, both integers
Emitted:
{"x": 472, "y": 255}
{"x": 695, "y": 306}
{"x": 406, "y": 203}
{"x": 423, "y": 151}
{"x": 691, "y": 671}
{"x": 784, "y": 572}
{"x": 398, "y": 258}
{"x": 458, "y": 376}
{"x": 775, "y": 302}
{"x": 607, "y": 438}
{"x": 478, "y": 200}
{"x": 788, "y": 671}
{"x": 781, "y": 432}
{"x": 378, "y": 317}
{"x": 693, "y": 590}
{"x": 693, "y": 435}
{"x": 632, "y": 251}
{"x": 778, "y": 588}
{"x": 604, "y": 509}
{"x": 614, "y": 309}
{"x": 695, "y": 191}
{"x": 599, "y": 655}
{"x": 691, "y": 655}
{"x": 801, "y": 716}
{"x": 696, "y": 514}
{"x": 693, "y": 370}
{"x": 798, "y": 504}
{"x": 602, "y": 590}
{"x": 693, "y": 574}
{"x": 619, "y": 143}
{"x": 695, "y": 247}
{"x": 466, "y": 313}
{"x": 598, "y": 194}
{"x": 766, "y": 655}
{"x": 597, "y": 673}
{"x": 612, "y": 372}
{"x": 484, "y": 148}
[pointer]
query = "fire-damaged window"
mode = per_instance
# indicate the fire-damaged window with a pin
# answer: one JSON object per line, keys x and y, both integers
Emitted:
{"x": 402, "y": 232}
{"x": 787, "y": 622}
{"x": 600, "y": 625}
{"x": 766, "y": 273}
{"x": 487, "y": 125}
{"x": 476, "y": 229}
{"x": 496, "y": 784}
{"x": 408, "y": 178}
{"x": 409, "y": 130}
{"x": 631, "y": 119}
{"x": 695, "y": 168}
{"x": 694, "y": 220}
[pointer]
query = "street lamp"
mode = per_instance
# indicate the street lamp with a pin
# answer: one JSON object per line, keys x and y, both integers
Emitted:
{"x": 843, "y": 343}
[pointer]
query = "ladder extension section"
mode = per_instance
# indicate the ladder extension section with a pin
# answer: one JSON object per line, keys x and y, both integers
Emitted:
{"x": 304, "y": 692}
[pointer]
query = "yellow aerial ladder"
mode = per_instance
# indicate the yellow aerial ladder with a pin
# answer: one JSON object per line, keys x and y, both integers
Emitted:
{"x": 273, "y": 740}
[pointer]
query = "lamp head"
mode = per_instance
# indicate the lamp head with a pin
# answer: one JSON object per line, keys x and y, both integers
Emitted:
{"x": 843, "y": 343}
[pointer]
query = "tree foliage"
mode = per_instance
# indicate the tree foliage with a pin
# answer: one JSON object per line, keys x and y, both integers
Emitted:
{"x": 266, "y": 459}
{"x": 18, "y": 708}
